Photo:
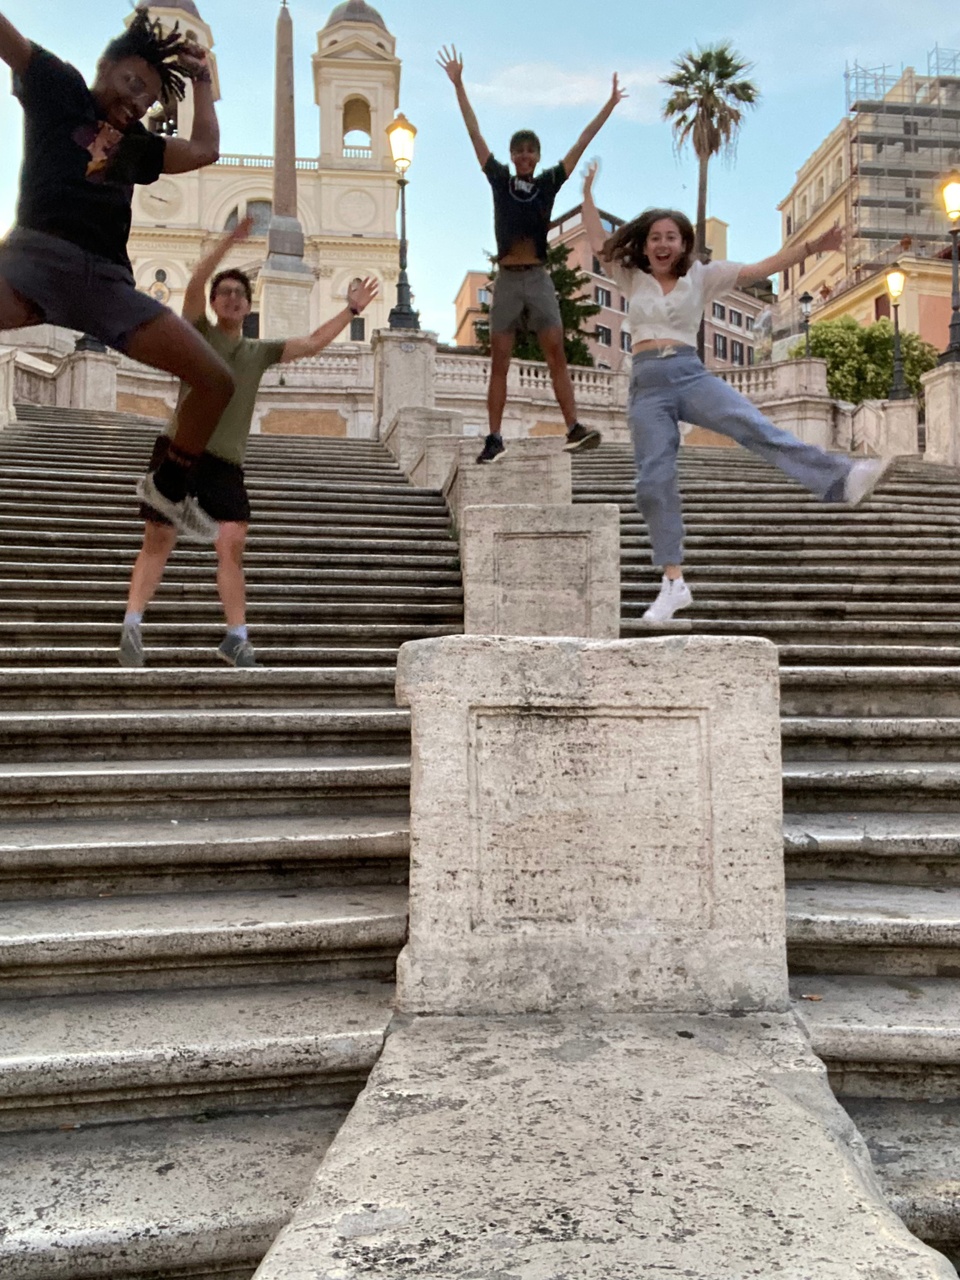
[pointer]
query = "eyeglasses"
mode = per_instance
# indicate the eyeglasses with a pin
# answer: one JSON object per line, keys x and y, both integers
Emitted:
{"x": 230, "y": 291}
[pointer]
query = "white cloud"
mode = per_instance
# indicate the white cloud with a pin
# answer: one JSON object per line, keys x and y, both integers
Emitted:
{"x": 549, "y": 86}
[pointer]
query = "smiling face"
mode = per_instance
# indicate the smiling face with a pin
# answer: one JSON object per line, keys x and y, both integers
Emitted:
{"x": 664, "y": 247}
{"x": 125, "y": 91}
{"x": 231, "y": 303}
{"x": 525, "y": 157}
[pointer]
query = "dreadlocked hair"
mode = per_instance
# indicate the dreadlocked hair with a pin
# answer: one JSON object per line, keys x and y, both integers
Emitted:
{"x": 628, "y": 243}
{"x": 144, "y": 38}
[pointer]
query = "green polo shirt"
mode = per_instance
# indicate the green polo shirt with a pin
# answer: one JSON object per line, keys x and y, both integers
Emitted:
{"x": 248, "y": 360}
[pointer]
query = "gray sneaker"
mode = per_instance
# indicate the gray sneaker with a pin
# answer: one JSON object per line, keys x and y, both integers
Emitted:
{"x": 239, "y": 653}
{"x": 131, "y": 646}
{"x": 188, "y": 515}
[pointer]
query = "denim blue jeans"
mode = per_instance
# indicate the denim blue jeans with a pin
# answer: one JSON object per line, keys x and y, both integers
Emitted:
{"x": 667, "y": 390}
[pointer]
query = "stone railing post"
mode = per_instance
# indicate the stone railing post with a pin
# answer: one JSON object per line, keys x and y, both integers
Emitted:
{"x": 404, "y": 374}
{"x": 405, "y": 436}
{"x": 8, "y": 378}
{"x": 88, "y": 380}
{"x": 941, "y": 389}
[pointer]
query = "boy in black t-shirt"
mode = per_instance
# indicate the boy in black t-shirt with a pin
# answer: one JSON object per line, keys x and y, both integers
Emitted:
{"x": 523, "y": 204}
{"x": 65, "y": 262}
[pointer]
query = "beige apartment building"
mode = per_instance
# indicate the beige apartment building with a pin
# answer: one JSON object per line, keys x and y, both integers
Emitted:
{"x": 471, "y": 297}
{"x": 878, "y": 175}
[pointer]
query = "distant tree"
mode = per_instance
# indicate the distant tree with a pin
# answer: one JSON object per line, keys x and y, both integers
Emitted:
{"x": 860, "y": 358}
{"x": 575, "y": 310}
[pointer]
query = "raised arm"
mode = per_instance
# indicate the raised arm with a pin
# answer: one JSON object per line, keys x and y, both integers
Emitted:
{"x": 195, "y": 298}
{"x": 203, "y": 146}
{"x": 575, "y": 154}
{"x": 360, "y": 294}
{"x": 15, "y": 49}
{"x": 826, "y": 243}
{"x": 452, "y": 63}
{"x": 591, "y": 218}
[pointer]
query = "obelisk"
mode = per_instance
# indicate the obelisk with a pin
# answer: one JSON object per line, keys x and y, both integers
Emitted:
{"x": 286, "y": 282}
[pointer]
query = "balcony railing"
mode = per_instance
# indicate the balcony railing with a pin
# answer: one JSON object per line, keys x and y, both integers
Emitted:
{"x": 261, "y": 162}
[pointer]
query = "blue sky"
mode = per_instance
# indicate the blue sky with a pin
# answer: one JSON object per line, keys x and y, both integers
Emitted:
{"x": 544, "y": 64}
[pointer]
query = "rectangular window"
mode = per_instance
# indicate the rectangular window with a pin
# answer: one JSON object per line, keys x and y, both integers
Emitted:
{"x": 736, "y": 352}
{"x": 751, "y": 322}
{"x": 789, "y": 225}
{"x": 604, "y": 336}
{"x": 358, "y": 329}
{"x": 719, "y": 311}
{"x": 603, "y": 296}
{"x": 720, "y": 346}
{"x": 483, "y": 297}
{"x": 626, "y": 342}
{"x": 786, "y": 279}
{"x": 736, "y": 317}
{"x": 597, "y": 269}
{"x": 750, "y": 355}
{"x": 624, "y": 305}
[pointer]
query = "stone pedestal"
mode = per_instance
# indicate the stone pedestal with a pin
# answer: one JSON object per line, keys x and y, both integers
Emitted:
{"x": 886, "y": 428}
{"x": 809, "y": 418}
{"x": 593, "y": 826}
{"x": 404, "y": 372}
{"x": 438, "y": 459}
{"x": 541, "y": 571}
{"x": 88, "y": 380}
{"x": 941, "y": 388}
{"x": 284, "y": 291}
{"x": 530, "y": 471}
{"x": 405, "y": 435}
{"x": 8, "y": 375}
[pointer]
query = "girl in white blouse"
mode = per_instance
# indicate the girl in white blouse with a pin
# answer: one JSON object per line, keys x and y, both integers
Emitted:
{"x": 652, "y": 261}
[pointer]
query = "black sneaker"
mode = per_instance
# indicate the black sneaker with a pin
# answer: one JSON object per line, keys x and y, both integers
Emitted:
{"x": 581, "y": 438}
{"x": 492, "y": 448}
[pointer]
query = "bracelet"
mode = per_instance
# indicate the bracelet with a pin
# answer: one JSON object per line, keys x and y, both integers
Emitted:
{"x": 355, "y": 311}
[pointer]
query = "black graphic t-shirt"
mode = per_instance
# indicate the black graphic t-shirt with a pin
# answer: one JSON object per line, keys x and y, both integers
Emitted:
{"x": 78, "y": 172}
{"x": 522, "y": 207}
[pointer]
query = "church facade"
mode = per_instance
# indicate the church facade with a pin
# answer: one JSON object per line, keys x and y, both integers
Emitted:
{"x": 347, "y": 195}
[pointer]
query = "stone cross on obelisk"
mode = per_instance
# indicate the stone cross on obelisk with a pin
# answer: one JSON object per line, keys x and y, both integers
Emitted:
{"x": 286, "y": 282}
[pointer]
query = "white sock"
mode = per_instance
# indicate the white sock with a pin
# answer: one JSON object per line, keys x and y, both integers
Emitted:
{"x": 239, "y": 631}
{"x": 132, "y": 619}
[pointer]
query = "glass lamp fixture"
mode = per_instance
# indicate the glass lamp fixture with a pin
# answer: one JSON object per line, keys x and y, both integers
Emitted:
{"x": 401, "y": 134}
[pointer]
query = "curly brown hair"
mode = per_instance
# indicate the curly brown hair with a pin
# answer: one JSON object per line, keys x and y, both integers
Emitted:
{"x": 628, "y": 244}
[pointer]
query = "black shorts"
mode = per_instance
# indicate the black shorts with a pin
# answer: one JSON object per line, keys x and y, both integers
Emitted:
{"x": 215, "y": 483}
{"x": 69, "y": 287}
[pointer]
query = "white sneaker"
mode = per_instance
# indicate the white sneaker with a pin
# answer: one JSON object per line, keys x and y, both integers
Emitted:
{"x": 674, "y": 595}
{"x": 189, "y": 517}
{"x": 863, "y": 477}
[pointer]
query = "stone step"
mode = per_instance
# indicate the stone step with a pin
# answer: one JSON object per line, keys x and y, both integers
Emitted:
{"x": 42, "y": 658}
{"x": 906, "y": 931}
{"x": 322, "y": 482}
{"x": 61, "y": 689}
{"x": 193, "y": 788}
{"x": 97, "y": 858}
{"x": 798, "y": 592}
{"x": 840, "y": 737}
{"x": 870, "y": 786}
{"x": 82, "y": 1060}
{"x": 203, "y": 940}
{"x": 837, "y": 690}
{"x": 14, "y": 514}
{"x": 173, "y": 733}
{"x": 914, "y": 1149}
{"x": 754, "y": 602}
{"x": 880, "y": 848}
{"x": 851, "y": 657}
{"x": 186, "y": 563}
{"x": 127, "y": 521}
{"x": 355, "y": 542}
{"x": 811, "y": 631}
{"x": 176, "y": 636}
{"x": 884, "y": 1037}
{"x": 367, "y": 609}
{"x": 201, "y": 574}
{"x": 261, "y": 590}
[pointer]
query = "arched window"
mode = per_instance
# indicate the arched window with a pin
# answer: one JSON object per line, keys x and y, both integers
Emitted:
{"x": 357, "y": 129}
{"x": 803, "y": 211}
{"x": 838, "y": 171}
{"x": 820, "y": 190}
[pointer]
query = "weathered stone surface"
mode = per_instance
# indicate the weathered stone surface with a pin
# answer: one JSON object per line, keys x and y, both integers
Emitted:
{"x": 542, "y": 571}
{"x": 404, "y": 369}
{"x": 601, "y": 1149}
{"x": 432, "y": 469}
{"x": 8, "y": 374}
{"x": 941, "y": 389}
{"x": 407, "y": 434}
{"x": 88, "y": 380}
{"x": 530, "y": 471}
{"x": 593, "y": 825}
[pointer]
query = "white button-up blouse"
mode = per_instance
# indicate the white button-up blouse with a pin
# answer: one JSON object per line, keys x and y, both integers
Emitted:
{"x": 675, "y": 315}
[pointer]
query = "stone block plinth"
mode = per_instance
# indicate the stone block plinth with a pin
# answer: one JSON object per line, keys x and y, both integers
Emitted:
{"x": 88, "y": 380}
{"x": 541, "y": 571}
{"x": 404, "y": 374}
{"x": 530, "y": 471}
{"x": 886, "y": 428}
{"x": 284, "y": 290}
{"x": 8, "y": 377}
{"x": 941, "y": 388}
{"x": 593, "y": 825}
{"x": 406, "y": 435}
{"x": 432, "y": 469}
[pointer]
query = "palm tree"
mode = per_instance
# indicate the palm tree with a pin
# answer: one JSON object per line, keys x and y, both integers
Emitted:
{"x": 706, "y": 109}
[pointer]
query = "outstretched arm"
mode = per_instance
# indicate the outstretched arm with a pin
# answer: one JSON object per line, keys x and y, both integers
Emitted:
{"x": 591, "y": 217}
{"x": 15, "y": 49}
{"x": 826, "y": 243}
{"x": 360, "y": 294}
{"x": 203, "y": 146}
{"x": 452, "y": 63}
{"x": 195, "y": 298}
{"x": 575, "y": 154}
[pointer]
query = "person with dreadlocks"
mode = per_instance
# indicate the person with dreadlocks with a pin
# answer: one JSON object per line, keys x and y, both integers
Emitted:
{"x": 65, "y": 261}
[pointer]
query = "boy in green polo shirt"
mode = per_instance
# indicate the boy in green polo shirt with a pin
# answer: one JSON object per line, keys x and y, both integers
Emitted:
{"x": 218, "y": 482}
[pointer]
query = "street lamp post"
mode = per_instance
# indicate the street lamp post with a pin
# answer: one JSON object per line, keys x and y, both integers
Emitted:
{"x": 951, "y": 202}
{"x": 806, "y": 305}
{"x": 896, "y": 279}
{"x": 401, "y": 134}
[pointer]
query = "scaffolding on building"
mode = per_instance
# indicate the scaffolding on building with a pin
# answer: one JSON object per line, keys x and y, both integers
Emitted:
{"x": 904, "y": 139}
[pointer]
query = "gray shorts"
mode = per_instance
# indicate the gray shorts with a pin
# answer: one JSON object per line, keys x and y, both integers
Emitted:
{"x": 524, "y": 293}
{"x": 69, "y": 287}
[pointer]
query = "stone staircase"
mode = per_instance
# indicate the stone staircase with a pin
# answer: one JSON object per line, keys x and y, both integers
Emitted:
{"x": 203, "y": 870}
{"x": 865, "y": 607}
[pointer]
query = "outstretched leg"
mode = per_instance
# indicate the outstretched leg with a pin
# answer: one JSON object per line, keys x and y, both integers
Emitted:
{"x": 158, "y": 541}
